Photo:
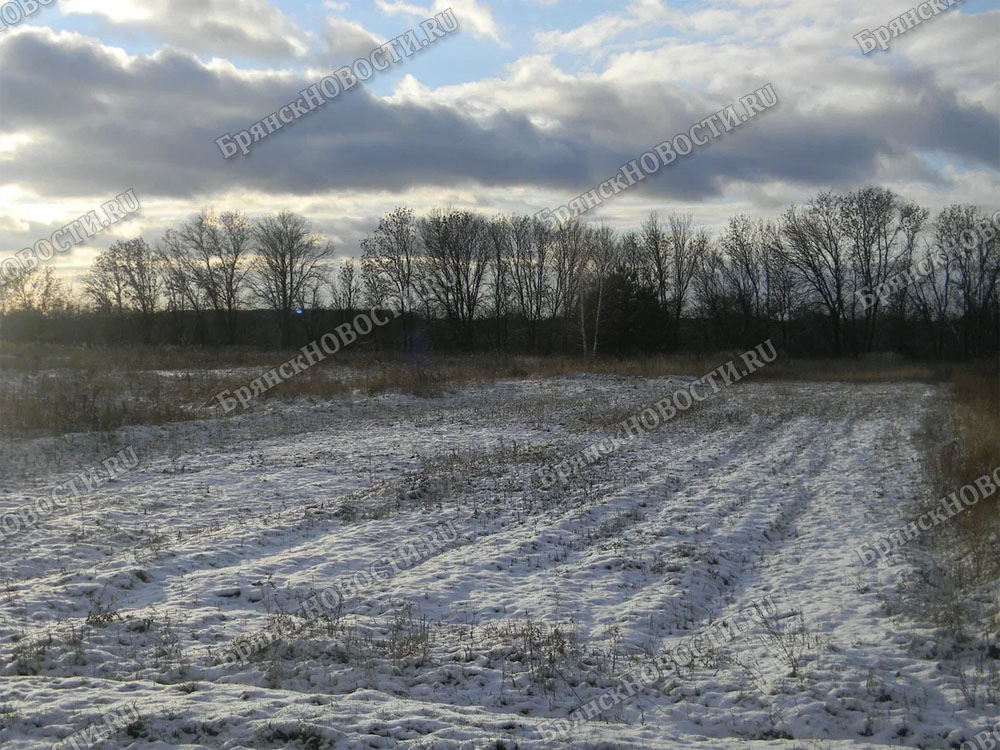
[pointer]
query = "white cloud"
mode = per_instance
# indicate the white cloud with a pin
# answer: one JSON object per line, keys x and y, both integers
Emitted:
{"x": 605, "y": 27}
{"x": 347, "y": 40}
{"x": 252, "y": 28}
{"x": 473, "y": 16}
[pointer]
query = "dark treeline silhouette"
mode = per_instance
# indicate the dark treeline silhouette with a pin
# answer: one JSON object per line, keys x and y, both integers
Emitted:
{"x": 843, "y": 275}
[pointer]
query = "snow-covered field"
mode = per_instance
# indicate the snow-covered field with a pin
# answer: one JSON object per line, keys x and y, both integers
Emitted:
{"x": 539, "y": 602}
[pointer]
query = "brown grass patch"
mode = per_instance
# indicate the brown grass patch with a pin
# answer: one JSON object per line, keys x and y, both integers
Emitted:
{"x": 955, "y": 587}
{"x": 975, "y": 449}
{"x": 54, "y": 389}
{"x": 431, "y": 376}
{"x": 48, "y": 404}
{"x": 39, "y": 357}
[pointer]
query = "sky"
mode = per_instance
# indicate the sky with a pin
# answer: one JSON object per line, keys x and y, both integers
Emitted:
{"x": 526, "y": 105}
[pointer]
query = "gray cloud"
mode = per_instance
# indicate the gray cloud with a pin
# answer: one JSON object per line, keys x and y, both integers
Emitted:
{"x": 150, "y": 123}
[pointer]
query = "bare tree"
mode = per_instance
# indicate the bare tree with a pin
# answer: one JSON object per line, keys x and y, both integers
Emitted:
{"x": 231, "y": 267}
{"x": 569, "y": 258}
{"x": 34, "y": 290}
{"x": 913, "y": 226}
{"x": 709, "y": 288}
{"x": 975, "y": 271}
{"x": 603, "y": 259}
{"x": 687, "y": 249}
{"x": 815, "y": 248}
{"x": 52, "y": 294}
{"x": 782, "y": 284}
{"x": 630, "y": 254}
{"x": 499, "y": 232}
{"x": 931, "y": 293}
{"x": 374, "y": 285}
{"x": 289, "y": 260}
{"x": 575, "y": 286}
{"x": 104, "y": 283}
{"x": 313, "y": 299}
{"x": 655, "y": 255}
{"x": 142, "y": 280}
{"x": 182, "y": 274}
{"x": 18, "y": 291}
{"x": 390, "y": 252}
{"x": 347, "y": 292}
{"x": 456, "y": 259}
{"x": 182, "y": 292}
{"x": 206, "y": 264}
{"x": 126, "y": 276}
{"x": 529, "y": 266}
{"x": 879, "y": 227}
{"x": 743, "y": 270}
{"x": 582, "y": 275}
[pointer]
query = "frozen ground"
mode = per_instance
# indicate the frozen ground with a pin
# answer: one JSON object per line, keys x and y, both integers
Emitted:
{"x": 539, "y": 605}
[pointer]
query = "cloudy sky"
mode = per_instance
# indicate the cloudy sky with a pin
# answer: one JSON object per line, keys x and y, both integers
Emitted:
{"x": 528, "y": 104}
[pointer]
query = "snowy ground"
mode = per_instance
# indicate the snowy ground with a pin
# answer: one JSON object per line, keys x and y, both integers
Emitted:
{"x": 540, "y": 604}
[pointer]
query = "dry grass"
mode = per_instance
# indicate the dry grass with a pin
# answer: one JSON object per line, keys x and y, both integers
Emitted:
{"x": 51, "y": 389}
{"x": 975, "y": 450}
{"x": 86, "y": 401}
{"x": 431, "y": 376}
{"x": 48, "y": 389}
{"x": 955, "y": 585}
{"x": 41, "y": 357}
{"x": 445, "y": 369}
{"x": 869, "y": 370}
{"x": 372, "y": 374}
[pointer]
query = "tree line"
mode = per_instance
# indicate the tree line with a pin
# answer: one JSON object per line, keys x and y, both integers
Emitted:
{"x": 843, "y": 274}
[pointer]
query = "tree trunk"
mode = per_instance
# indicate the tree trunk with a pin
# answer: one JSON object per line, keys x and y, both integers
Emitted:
{"x": 597, "y": 318}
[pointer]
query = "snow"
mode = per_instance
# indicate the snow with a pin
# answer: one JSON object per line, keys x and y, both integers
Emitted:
{"x": 545, "y": 599}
